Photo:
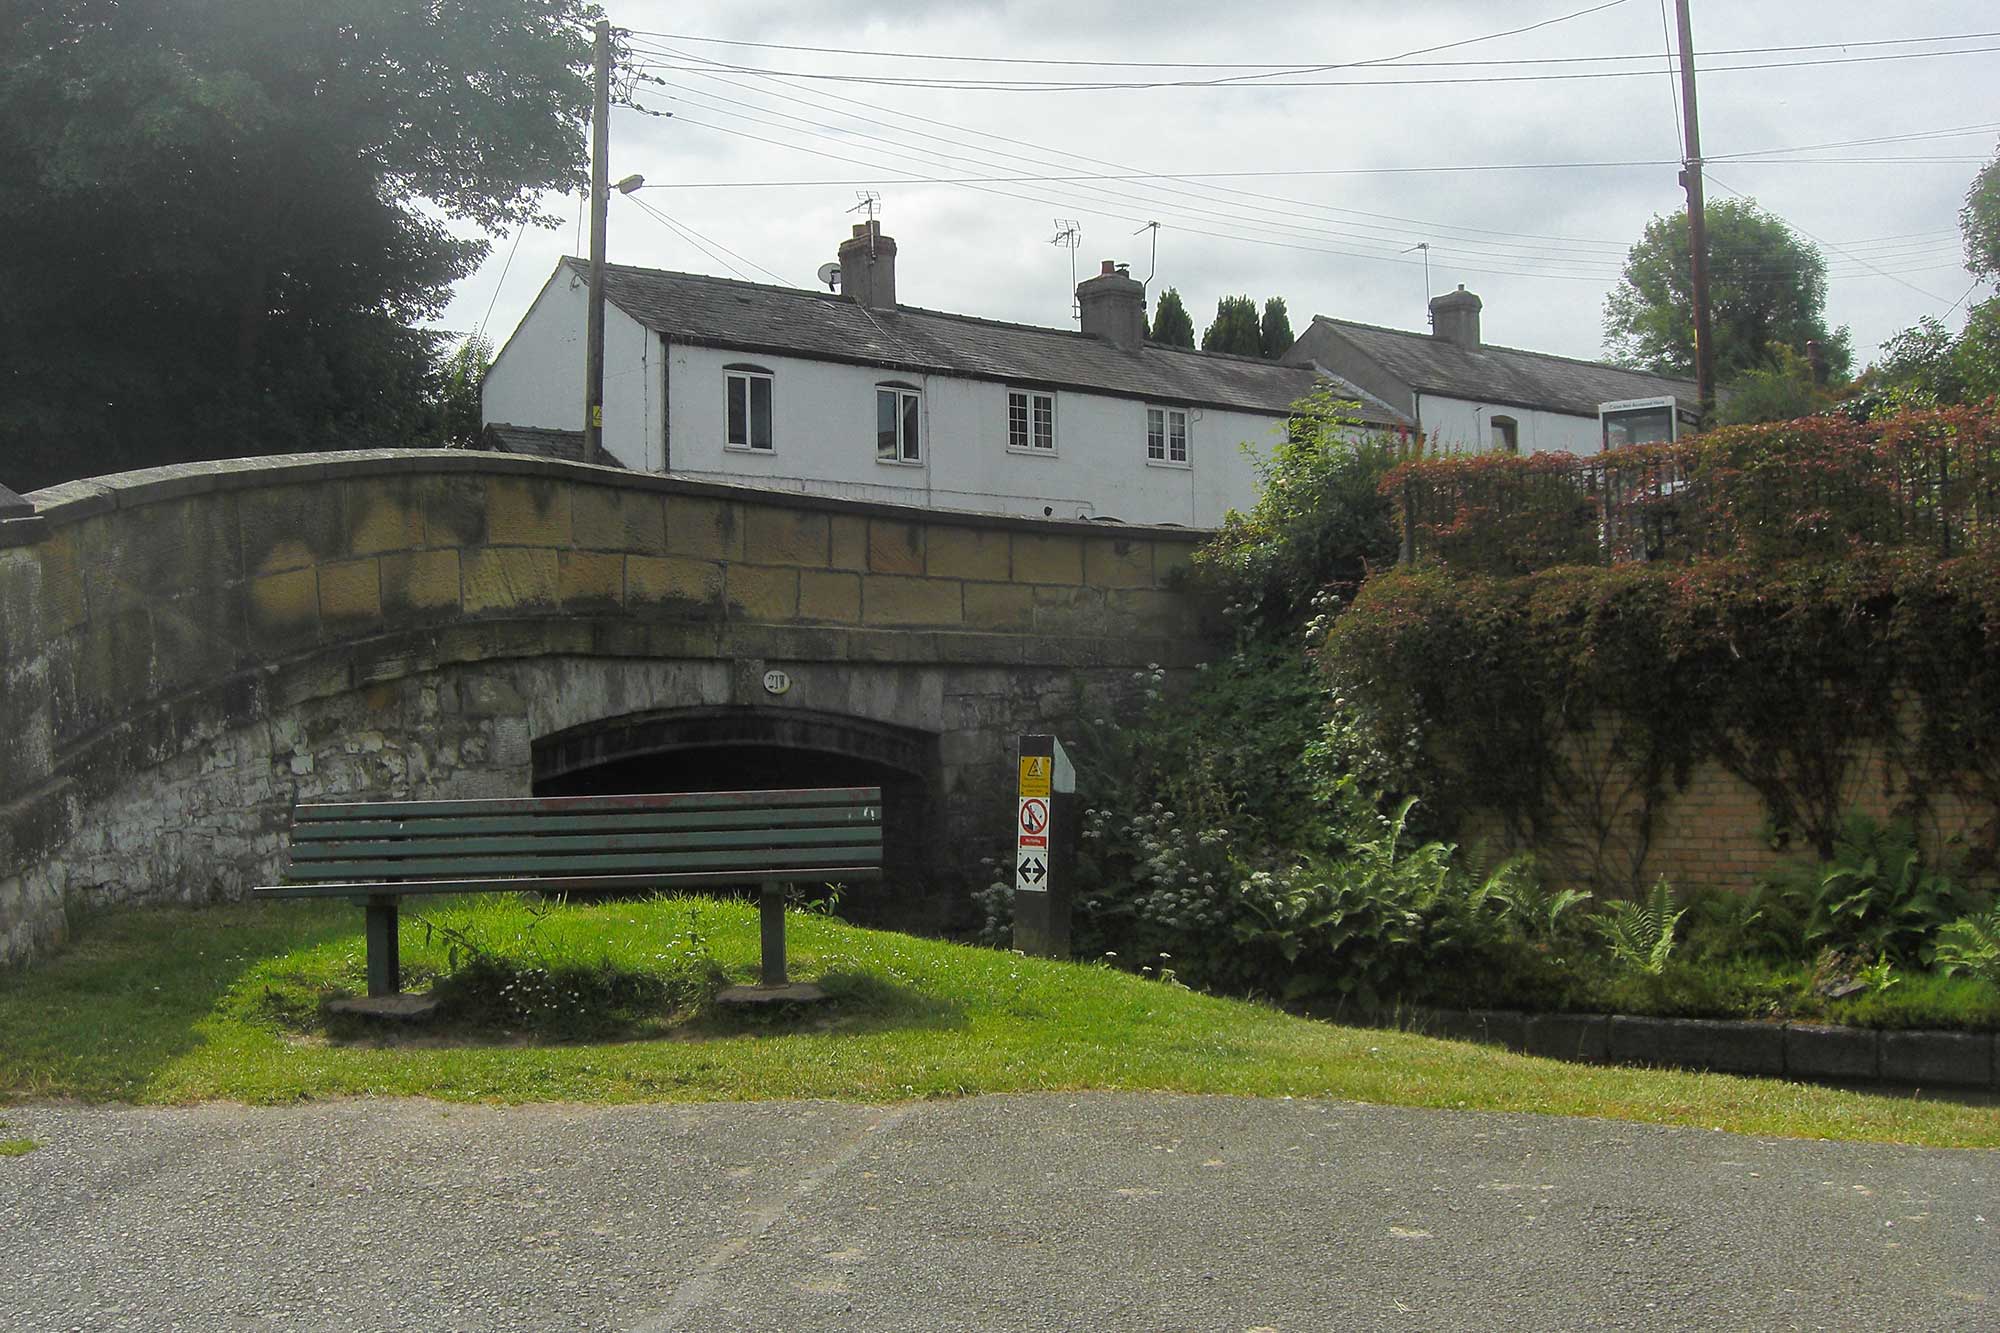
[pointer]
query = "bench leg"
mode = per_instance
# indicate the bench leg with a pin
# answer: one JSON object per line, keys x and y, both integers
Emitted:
{"x": 771, "y": 914}
{"x": 385, "y": 972}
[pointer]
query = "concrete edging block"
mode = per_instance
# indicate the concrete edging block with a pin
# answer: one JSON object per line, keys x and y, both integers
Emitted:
{"x": 1581, "y": 1037}
{"x": 1815, "y": 1050}
{"x": 1699, "y": 1043}
{"x": 1954, "y": 1059}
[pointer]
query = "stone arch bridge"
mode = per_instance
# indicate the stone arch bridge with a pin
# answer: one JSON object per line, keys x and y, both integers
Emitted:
{"x": 186, "y": 652}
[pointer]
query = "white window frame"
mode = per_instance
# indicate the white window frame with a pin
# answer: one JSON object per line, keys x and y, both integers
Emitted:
{"x": 1171, "y": 443}
{"x": 1036, "y": 442}
{"x": 909, "y": 402}
{"x": 747, "y": 376}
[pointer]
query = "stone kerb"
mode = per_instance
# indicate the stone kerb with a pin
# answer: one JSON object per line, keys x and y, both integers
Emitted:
{"x": 152, "y": 612}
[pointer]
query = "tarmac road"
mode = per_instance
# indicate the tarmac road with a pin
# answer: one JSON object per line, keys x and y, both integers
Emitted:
{"x": 1099, "y": 1212}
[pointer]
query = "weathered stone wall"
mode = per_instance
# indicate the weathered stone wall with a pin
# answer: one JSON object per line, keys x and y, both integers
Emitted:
{"x": 186, "y": 652}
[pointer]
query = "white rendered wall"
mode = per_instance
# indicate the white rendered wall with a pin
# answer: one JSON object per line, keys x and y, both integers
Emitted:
{"x": 823, "y": 442}
{"x": 1459, "y": 426}
{"x": 537, "y": 380}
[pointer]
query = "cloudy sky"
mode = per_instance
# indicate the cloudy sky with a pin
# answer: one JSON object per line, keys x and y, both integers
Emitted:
{"x": 1527, "y": 187}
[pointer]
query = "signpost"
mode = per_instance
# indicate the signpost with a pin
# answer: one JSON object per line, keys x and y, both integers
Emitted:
{"x": 1045, "y": 827}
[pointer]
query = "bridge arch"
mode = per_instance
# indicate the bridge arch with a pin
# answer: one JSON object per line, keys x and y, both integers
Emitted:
{"x": 186, "y": 652}
{"x": 753, "y": 747}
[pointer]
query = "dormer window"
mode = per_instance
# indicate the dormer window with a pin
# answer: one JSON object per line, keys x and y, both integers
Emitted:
{"x": 899, "y": 410}
{"x": 747, "y": 404}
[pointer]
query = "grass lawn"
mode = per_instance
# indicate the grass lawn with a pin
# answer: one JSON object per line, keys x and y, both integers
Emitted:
{"x": 166, "y": 1006}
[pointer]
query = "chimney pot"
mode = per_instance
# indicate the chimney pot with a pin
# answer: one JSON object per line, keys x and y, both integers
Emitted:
{"x": 1106, "y": 267}
{"x": 868, "y": 267}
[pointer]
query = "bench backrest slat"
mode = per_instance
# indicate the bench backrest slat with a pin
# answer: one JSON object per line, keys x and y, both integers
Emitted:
{"x": 532, "y": 847}
{"x": 555, "y": 805}
{"x": 464, "y": 867}
{"x": 587, "y": 822}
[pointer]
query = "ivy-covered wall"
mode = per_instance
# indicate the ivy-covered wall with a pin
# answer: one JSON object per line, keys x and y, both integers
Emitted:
{"x": 1693, "y": 659}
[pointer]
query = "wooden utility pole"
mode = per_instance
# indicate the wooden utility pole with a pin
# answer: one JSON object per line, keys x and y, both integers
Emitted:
{"x": 1704, "y": 340}
{"x": 600, "y": 188}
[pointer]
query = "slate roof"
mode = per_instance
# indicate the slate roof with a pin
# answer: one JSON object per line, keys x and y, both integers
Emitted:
{"x": 541, "y": 442}
{"x": 754, "y": 317}
{"x": 1504, "y": 374}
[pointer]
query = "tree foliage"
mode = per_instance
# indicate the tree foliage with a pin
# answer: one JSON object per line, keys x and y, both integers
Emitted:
{"x": 461, "y": 375}
{"x": 1979, "y": 222}
{"x": 224, "y": 220}
{"x": 1320, "y": 518}
{"x": 1767, "y": 289}
{"x": 1171, "y": 325}
{"x": 1235, "y": 328}
{"x": 1926, "y": 365}
{"x": 1275, "y": 331}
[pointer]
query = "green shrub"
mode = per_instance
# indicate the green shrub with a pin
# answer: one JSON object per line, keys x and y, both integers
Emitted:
{"x": 1320, "y": 516}
{"x": 1875, "y": 897}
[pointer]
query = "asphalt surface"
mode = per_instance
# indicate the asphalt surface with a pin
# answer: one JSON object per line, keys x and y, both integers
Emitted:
{"x": 1026, "y": 1212}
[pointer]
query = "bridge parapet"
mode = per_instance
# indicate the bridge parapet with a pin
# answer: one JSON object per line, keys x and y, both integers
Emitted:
{"x": 147, "y": 619}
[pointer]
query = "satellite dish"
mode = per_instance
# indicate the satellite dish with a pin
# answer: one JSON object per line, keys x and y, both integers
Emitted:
{"x": 830, "y": 275}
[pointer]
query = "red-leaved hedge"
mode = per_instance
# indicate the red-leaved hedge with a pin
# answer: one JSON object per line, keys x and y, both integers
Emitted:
{"x": 1812, "y": 489}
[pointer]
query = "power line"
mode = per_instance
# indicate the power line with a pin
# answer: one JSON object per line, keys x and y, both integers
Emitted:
{"x": 518, "y": 232}
{"x": 1281, "y": 65}
{"x": 710, "y": 247}
{"x": 1285, "y": 223}
{"x": 875, "y": 114}
{"x": 1070, "y": 86}
{"x": 842, "y": 135}
{"x": 818, "y": 99}
{"x": 1836, "y": 249}
{"x": 1600, "y": 273}
{"x": 1570, "y": 257}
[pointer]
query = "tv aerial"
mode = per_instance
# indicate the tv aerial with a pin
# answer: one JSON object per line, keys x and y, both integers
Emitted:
{"x": 1069, "y": 232}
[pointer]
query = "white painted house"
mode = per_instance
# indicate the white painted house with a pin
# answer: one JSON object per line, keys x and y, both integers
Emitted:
{"x": 1467, "y": 396}
{"x": 855, "y": 395}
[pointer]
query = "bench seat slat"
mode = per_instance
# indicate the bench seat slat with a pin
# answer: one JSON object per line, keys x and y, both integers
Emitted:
{"x": 534, "y": 847}
{"x": 569, "y": 883}
{"x": 553, "y": 805}
{"x": 648, "y": 821}
{"x": 577, "y": 864}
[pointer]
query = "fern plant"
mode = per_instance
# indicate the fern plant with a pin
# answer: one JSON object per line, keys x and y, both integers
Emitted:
{"x": 1541, "y": 913}
{"x": 1971, "y": 945}
{"x": 1640, "y": 935}
{"x": 1878, "y": 897}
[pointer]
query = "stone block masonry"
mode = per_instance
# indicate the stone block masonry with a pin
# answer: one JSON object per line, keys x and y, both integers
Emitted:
{"x": 186, "y": 652}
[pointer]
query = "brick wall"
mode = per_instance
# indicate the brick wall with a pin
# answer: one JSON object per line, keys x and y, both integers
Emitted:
{"x": 1714, "y": 832}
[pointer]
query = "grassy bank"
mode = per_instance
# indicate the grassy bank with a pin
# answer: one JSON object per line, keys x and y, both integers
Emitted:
{"x": 173, "y": 1006}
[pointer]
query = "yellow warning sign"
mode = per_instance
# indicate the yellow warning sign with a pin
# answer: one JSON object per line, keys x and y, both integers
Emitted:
{"x": 1035, "y": 769}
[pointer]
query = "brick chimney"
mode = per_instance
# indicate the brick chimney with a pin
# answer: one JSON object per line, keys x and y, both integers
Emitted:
{"x": 1455, "y": 317}
{"x": 868, "y": 267}
{"x": 1114, "y": 306}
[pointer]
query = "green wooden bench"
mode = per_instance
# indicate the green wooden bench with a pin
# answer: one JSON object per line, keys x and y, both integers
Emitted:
{"x": 379, "y": 852}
